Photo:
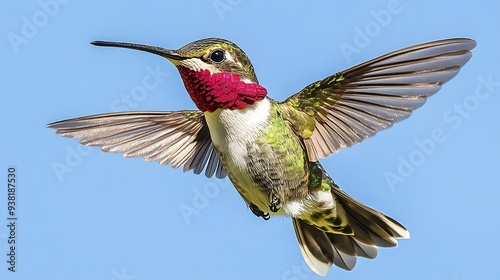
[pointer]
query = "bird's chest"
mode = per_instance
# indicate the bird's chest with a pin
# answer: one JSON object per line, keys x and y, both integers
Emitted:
{"x": 260, "y": 154}
{"x": 236, "y": 135}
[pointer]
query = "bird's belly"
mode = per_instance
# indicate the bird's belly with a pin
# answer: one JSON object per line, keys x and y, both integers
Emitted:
{"x": 258, "y": 165}
{"x": 232, "y": 132}
{"x": 250, "y": 190}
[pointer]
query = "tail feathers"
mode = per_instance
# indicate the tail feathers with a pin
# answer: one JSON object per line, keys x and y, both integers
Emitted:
{"x": 381, "y": 229}
{"x": 370, "y": 230}
{"x": 321, "y": 249}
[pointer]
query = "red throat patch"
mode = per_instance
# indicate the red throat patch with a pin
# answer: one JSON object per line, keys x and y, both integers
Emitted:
{"x": 220, "y": 90}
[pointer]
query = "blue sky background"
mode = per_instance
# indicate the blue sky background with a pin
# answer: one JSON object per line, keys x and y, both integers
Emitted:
{"x": 85, "y": 214}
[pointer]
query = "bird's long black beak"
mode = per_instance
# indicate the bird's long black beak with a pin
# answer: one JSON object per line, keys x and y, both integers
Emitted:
{"x": 166, "y": 53}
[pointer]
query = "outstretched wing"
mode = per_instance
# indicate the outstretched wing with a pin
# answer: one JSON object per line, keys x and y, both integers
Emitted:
{"x": 352, "y": 105}
{"x": 176, "y": 138}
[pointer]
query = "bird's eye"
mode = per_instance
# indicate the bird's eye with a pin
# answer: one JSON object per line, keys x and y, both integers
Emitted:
{"x": 217, "y": 56}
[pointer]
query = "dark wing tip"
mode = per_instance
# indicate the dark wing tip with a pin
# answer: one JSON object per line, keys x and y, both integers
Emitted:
{"x": 466, "y": 43}
{"x": 52, "y": 124}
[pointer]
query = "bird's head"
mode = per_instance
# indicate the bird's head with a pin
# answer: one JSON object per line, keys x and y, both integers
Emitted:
{"x": 215, "y": 72}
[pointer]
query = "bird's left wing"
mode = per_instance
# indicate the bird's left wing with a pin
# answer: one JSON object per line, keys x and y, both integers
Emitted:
{"x": 352, "y": 105}
{"x": 176, "y": 138}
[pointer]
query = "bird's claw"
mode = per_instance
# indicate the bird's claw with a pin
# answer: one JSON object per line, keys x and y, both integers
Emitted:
{"x": 274, "y": 205}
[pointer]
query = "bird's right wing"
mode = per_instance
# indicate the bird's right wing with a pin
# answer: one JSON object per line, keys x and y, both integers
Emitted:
{"x": 352, "y": 105}
{"x": 176, "y": 138}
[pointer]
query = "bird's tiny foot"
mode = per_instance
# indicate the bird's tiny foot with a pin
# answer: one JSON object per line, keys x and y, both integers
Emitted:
{"x": 275, "y": 204}
{"x": 259, "y": 213}
{"x": 266, "y": 216}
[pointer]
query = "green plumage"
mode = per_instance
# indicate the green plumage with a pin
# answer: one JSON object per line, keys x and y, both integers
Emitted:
{"x": 277, "y": 162}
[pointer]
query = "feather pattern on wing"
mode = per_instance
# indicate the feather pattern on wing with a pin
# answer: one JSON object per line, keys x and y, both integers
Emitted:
{"x": 175, "y": 138}
{"x": 352, "y": 105}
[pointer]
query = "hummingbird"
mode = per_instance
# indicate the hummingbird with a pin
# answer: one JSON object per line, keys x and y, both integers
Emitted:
{"x": 270, "y": 150}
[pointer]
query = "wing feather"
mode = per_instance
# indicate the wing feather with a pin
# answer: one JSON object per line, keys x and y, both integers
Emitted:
{"x": 175, "y": 138}
{"x": 352, "y": 105}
